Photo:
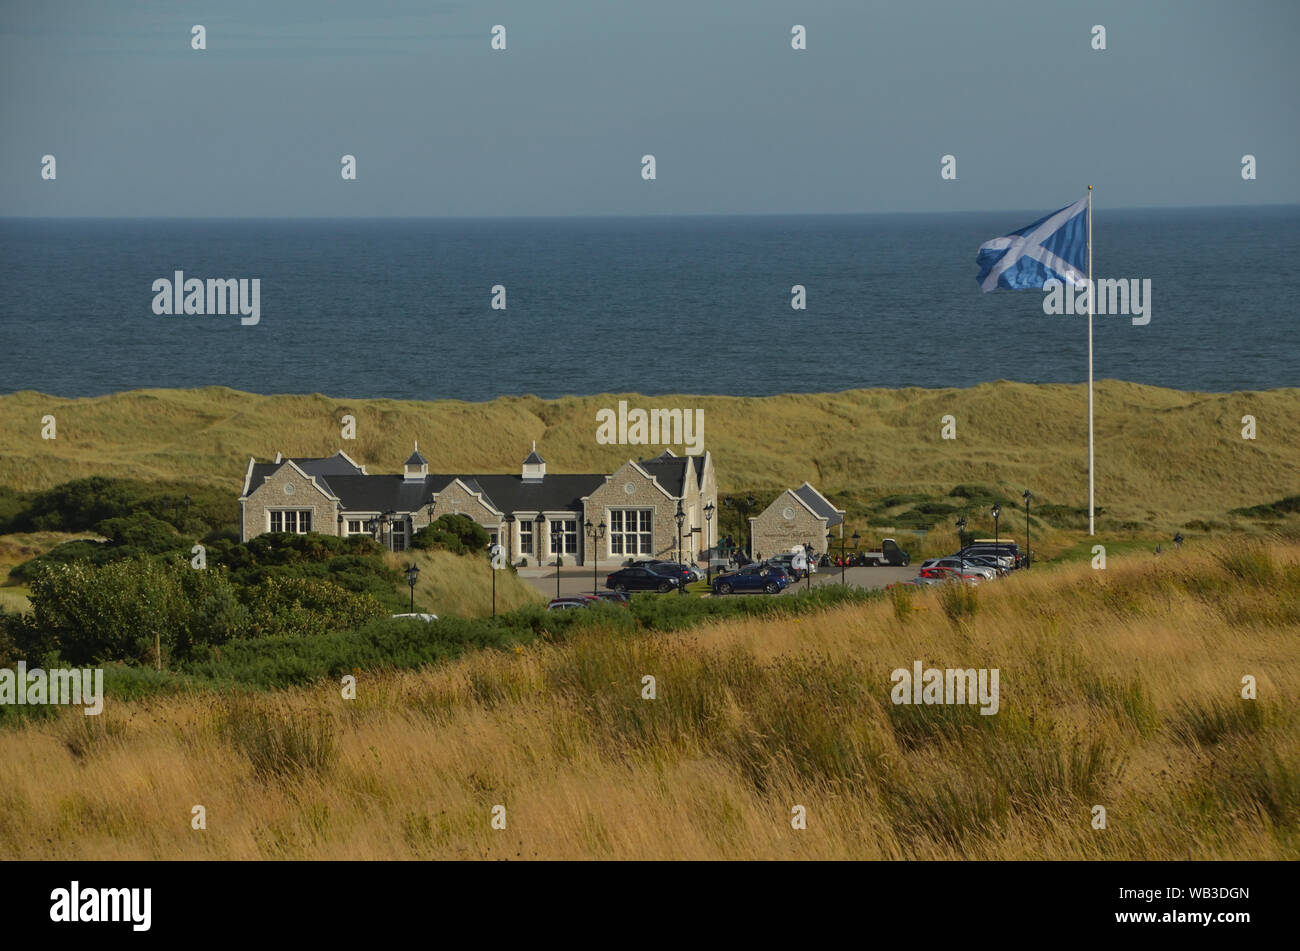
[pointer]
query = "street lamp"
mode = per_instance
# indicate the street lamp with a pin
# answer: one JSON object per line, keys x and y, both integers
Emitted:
{"x": 679, "y": 518}
{"x": 595, "y": 533}
{"x": 1028, "y": 496}
{"x": 961, "y": 542}
{"x": 412, "y": 575}
{"x": 856, "y": 537}
{"x": 997, "y": 551}
{"x": 708, "y": 545}
{"x": 557, "y": 548}
{"x": 807, "y": 564}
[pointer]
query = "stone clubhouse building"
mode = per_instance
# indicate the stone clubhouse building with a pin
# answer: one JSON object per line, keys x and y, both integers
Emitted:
{"x": 630, "y": 513}
{"x": 801, "y": 516}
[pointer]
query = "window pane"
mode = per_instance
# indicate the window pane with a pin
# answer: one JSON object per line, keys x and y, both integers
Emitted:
{"x": 304, "y": 521}
{"x": 277, "y": 521}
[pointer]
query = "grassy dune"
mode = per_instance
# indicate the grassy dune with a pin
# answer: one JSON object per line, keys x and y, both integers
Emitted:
{"x": 455, "y": 584}
{"x": 1118, "y": 688}
{"x": 1163, "y": 456}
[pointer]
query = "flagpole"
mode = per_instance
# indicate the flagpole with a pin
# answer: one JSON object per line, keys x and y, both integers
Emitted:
{"x": 1091, "y": 497}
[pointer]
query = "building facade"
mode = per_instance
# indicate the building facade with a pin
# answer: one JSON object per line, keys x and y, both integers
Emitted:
{"x": 801, "y": 516}
{"x": 632, "y": 512}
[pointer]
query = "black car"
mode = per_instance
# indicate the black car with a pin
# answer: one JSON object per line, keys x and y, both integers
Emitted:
{"x": 640, "y": 578}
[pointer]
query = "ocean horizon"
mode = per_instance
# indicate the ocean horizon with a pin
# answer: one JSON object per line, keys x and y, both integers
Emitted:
{"x": 402, "y": 307}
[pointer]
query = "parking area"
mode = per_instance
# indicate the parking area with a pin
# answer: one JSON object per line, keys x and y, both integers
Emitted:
{"x": 578, "y": 580}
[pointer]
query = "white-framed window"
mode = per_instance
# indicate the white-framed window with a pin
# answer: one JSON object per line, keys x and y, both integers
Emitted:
{"x": 525, "y": 538}
{"x": 399, "y": 534}
{"x": 357, "y": 526}
{"x": 631, "y": 531}
{"x": 295, "y": 521}
{"x": 564, "y": 532}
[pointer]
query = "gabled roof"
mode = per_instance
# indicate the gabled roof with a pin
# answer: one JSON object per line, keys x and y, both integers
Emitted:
{"x": 819, "y": 504}
{"x": 668, "y": 470}
{"x": 320, "y": 469}
{"x": 534, "y": 459}
{"x": 416, "y": 459}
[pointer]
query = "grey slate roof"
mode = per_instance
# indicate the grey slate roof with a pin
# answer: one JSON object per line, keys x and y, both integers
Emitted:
{"x": 504, "y": 492}
{"x": 417, "y": 459}
{"x": 534, "y": 459}
{"x": 814, "y": 500}
{"x": 669, "y": 470}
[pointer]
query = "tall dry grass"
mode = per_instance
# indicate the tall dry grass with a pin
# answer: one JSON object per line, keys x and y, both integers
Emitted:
{"x": 1118, "y": 688}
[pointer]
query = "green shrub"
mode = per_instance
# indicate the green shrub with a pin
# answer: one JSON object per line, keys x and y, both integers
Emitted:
{"x": 455, "y": 533}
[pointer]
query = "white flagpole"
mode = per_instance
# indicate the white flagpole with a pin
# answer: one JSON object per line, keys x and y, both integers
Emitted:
{"x": 1091, "y": 509}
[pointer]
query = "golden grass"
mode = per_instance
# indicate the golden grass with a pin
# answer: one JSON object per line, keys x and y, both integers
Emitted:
{"x": 462, "y": 585}
{"x": 1164, "y": 455}
{"x": 1118, "y": 688}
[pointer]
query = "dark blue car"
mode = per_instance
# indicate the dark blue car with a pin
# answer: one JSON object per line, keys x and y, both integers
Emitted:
{"x": 752, "y": 578}
{"x": 642, "y": 579}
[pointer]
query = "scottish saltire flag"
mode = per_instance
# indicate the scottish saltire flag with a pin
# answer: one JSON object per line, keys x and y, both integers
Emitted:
{"x": 1055, "y": 247}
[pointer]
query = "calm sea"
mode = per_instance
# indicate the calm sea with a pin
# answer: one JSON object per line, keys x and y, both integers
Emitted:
{"x": 400, "y": 308}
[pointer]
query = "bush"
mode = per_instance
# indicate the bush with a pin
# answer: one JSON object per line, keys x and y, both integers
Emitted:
{"x": 87, "y": 613}
{"x": 301, "y": 607}
{"x": 455, "y": 533}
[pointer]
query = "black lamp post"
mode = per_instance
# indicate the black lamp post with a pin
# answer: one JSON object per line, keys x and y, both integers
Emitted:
{"x": 961, "y": 542}
{"x": 595, "y": 533}
{"x": 1028, "y": 496}
{"x": 558, "y": 554}
{"x": 708, "y": 545}
{"x": 412, "y": 575}
{"x": 807, "y": 564}
{"x": 997, "y": 551}
{"x": 679, "y": 518}
{"x": 340, "y": 531}
{"x": 510, "y": 551}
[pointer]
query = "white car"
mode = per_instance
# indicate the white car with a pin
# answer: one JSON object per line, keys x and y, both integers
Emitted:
{"x": 418, "y": 617}
{"x": 967, "y": 567}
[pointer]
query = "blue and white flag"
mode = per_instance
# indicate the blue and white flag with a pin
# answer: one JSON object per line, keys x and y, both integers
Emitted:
{"x": 1052, "y": 248}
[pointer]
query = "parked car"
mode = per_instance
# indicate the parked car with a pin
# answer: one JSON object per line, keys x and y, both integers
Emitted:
{"x": 642, "y": 578}
{"x": 888, "y": 554}
{"x": 1002, "y": 550}
{"x": 769, "y": 578}
{"x": 944, "y": 573}
{"x": 687, "y": 572}
{"x": 989, "y": 562}
{"x": 570, "y": 602}
{"x": 418, "y": 617}
{"x": 1002, "y": 556}
{"x": 613, "y": 597}
{"x": 957, "y": 563}
{"x": 786, "y": 562}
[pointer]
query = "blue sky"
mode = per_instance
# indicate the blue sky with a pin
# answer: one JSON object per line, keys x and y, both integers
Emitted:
{"x": 739, "y": 123}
